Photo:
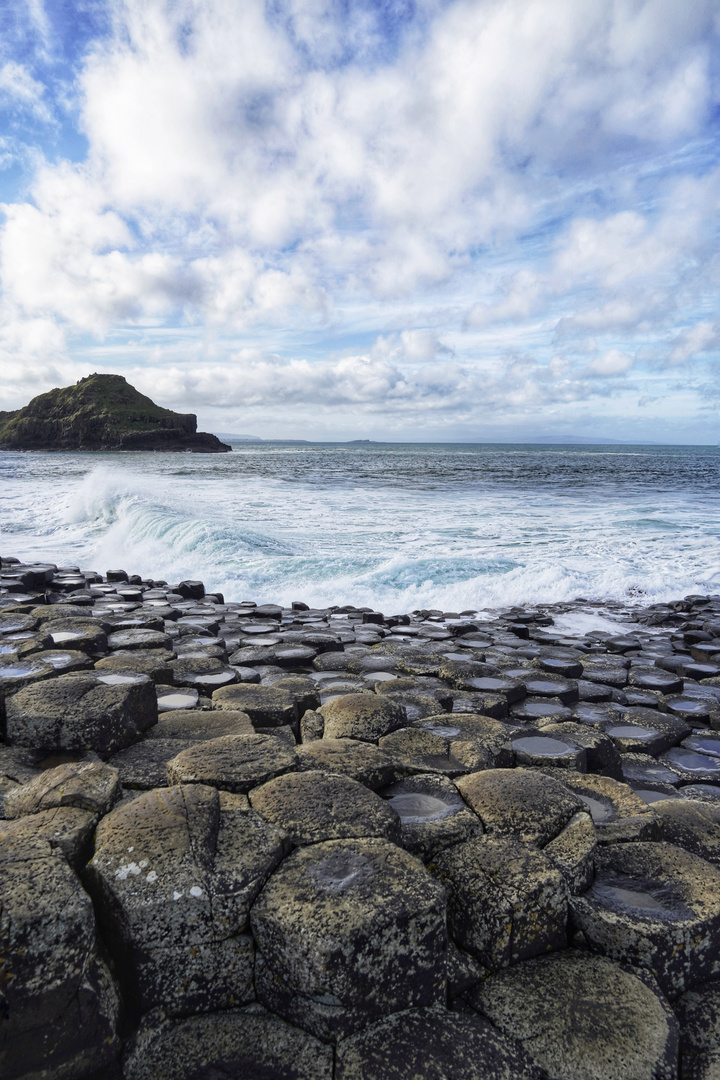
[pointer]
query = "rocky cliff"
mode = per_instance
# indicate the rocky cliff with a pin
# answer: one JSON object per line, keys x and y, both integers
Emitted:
{"x": 102, "y": 412}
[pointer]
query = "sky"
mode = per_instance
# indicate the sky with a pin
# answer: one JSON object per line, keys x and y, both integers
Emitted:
{"x": 438, "y": 220}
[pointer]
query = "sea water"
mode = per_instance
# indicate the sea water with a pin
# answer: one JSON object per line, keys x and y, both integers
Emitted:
{"x": 391, "y": 526}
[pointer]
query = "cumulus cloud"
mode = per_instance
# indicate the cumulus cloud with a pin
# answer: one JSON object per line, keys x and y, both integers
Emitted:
{"x": 425, "y": 175}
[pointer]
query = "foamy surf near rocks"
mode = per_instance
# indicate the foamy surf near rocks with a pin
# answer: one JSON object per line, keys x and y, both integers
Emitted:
{"x": 244, "y": 840}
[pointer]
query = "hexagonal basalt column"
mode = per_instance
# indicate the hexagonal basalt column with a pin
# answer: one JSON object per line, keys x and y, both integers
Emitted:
{"x": 173, "y": 876}
{"x": 654, "y": 906}
{"x": 348, "y": 931}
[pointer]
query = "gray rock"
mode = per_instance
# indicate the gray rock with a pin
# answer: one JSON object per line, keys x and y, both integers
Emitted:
{"x": 618, "y": 813}
{"x": 582, "y": 1017}
{"x": 62, "y": 1004}
{"x": 432, "y": 815}
{"x": 139, "y": 639}
{"x": 361, "y": 716}
{"x": 241, "y": 1043}
{"x": 155, "y": 663}
{"x": 432, "y": 1044}
{"x": 349, "y": 931}
{"x": 572, "y": 852}
{"x": 143, "y": 765}
{"x": 235, "y": 763}
{"x": 266, "y": 706}
{"x": 173, "y": 877}
{"x": 311, "y": 807}
{"x": 88, "y": 785}
{"x": 506, "y": 901}
{"x": 76, "y": 712}
{"x": 68, "y": 829}
{"x": 654, "y": 906}
{"x": 198, "y": 725}
{"x": 521, "y": 803}
{"x": 360, "y": 761}
{"x": 450, "y": 744}
{"x": 692, "y": 826}
{"x": 698, "y": 1013}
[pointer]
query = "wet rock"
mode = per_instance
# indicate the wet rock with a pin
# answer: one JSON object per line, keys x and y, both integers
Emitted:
{"x": 432, "y": 815}
{"x": 311, "y": 807}
{"x": 235, "y": 763}
{"x": 87, "y": 785}
{"x": 169, "y": 699}
{"x": 63, "y": 1007}
{"x": 545, "y": 749}
{"x": 156, "y": 665}
{"x": 74, "y": 712}
{"x": 643, "y": 771}
{"x": 247, "y": 1042}
{"x": 139, "y": 639}
{"x": 654, "y": 906}
{"x": 644, "y": 730}
{"x": 360, "y": 761}
{"x": 173, "y": 876}
{"x": 81, "y": 634}
{"x": 618, "y": 813}
{"x": 536, "y": 709}
{"x": 520, "y": 803}
{"x": 265, "y": 705}
{"x": 361, "y": 716}
{"x": 62, "y": 661}
{"x": 601, "y": 754}
{"x": 506, "y": 900}
{"x": 450, "y": 744}
{"x": 432, "y": 1043}
{"x": 691, "y": 766}
{"x": 582, "y": 1017}
{"x": 349, "y": 931}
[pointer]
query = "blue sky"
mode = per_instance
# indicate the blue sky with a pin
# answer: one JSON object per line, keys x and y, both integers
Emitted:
{"x": 403, "y": 220}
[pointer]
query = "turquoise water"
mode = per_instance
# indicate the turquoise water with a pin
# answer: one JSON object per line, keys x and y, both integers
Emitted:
{"x": 386, "y": 525}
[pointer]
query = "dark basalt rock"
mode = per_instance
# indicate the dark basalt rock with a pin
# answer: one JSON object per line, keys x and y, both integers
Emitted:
{"x": 468, "y": 812}
{"x": 102, "y": 412}
{"x": 581, "y": 1017}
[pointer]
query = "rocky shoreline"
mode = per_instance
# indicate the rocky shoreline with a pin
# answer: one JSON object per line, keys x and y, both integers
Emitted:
{"x": 245, "y": 841}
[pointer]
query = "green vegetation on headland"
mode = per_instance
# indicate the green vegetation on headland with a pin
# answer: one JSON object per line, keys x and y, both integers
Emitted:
{"x": 102, "y": 412}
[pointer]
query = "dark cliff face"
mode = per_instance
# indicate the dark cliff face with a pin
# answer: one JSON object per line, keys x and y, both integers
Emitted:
{"x": 102, "y": 412}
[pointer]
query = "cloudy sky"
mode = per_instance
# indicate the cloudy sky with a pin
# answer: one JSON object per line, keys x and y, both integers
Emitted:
{"x": 421, "y": 219}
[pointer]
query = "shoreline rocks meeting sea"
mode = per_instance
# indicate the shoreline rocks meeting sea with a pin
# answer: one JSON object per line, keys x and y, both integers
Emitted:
{"x": 245, "y": 841}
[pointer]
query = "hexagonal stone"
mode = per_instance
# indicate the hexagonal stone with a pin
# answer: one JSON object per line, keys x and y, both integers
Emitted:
{"x": 528, "y": 805}
{"x": 582, "y": 1017}
{"x": 450, "y": 744}
{"x": 572, "y": 852}
{"x": 79, "y": 711}
{"x": 83, "y": 634}
{"x": 547, "y": 750}
{"x": 601, "y": 754}
{"x": 311, "y": 807}
{"x": 362, "y": 716}
{"x": 654, "y": 906}
{"x": 266, "y": 706}
{"x": 88, "y": 785}
{"x": 205, "y": 673}
{"x": 360, "y": 761}
{"x": 348, "y": 931}
{"x": 506, "y": 901}
{"x": 233, "y": 762}
{"x": 432, "y": 1043}
{"x": 143, "y": 765}
{"x": 139, "y": 639}
{"x": 174, "y": 873}
{"x": 692, "y": 826}
{"x": 68, "y": 829}
{"x": 240, "y": 1043}
{"x": 196, "y": 725}
{"x": 63, "y": 1006}
{"x": 698, "y": 1013}
{"x": 153, "y": 663}
{"x": 432, "y": 814}
{"x": 618, "y": 813}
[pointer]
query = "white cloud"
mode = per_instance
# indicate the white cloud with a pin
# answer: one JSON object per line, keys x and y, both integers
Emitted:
{"x": 19, "y": 88}
{"x": 700, "y": 338}
{"x": 610, "y": 363}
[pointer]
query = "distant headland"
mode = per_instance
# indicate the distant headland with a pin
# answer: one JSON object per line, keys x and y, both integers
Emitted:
{"x": 102, "y": 412}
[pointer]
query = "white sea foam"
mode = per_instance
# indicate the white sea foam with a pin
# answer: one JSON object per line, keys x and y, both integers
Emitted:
{"x": 455, "y": 529}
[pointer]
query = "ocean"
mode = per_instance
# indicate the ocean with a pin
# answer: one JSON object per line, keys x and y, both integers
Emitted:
{"x": 393, "y": 526}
